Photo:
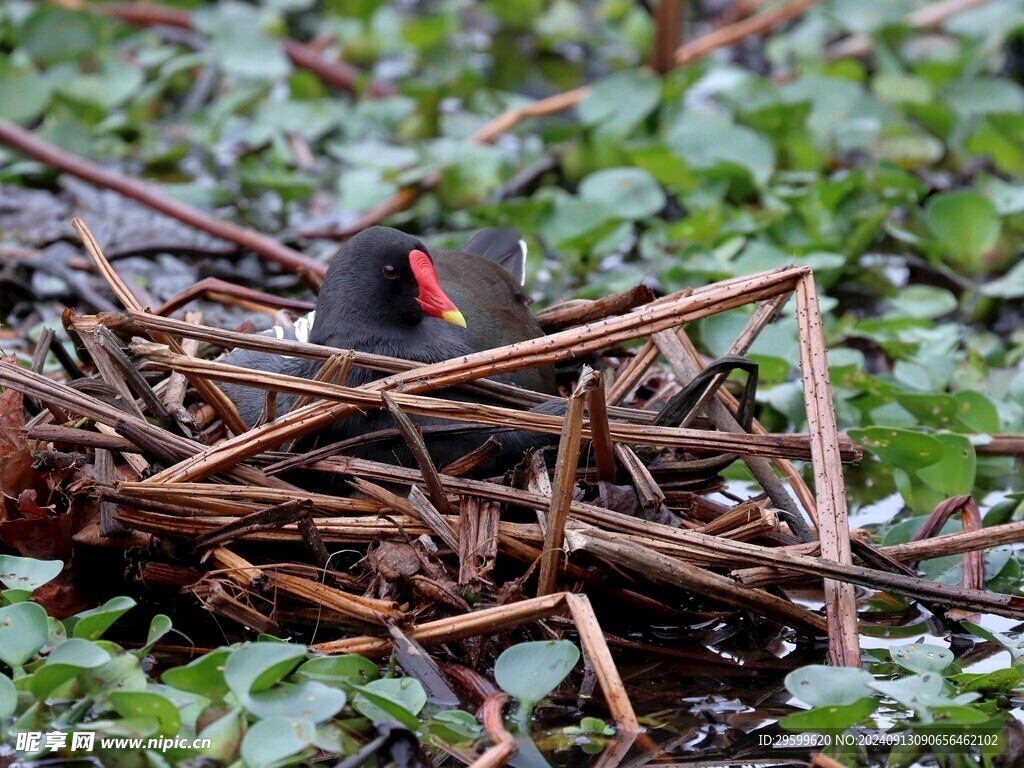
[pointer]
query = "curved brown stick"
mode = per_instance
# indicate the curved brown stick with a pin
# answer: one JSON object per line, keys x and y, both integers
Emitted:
{"x": 218, "y": 290}
{"x": 734, "y": 33}
{"x": 26, "y": 143}
{"x": 335, "y": 73}
{"x": 504, "y": 746}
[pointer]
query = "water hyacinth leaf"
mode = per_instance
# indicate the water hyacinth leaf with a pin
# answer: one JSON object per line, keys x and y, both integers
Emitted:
{"x": 54, "y": 33}
{"x": 630, "y": 193}
{"x": 123, "y": 672}
{"x": 454, "y": 727}
{"x": 24, "y": 94}
{"x": 1008, "y": 198}
{"x": 159, "y": 626}
{"x": 933, "y": 409}
{"x": 131, "y": 704}
{"x": 573, "y": 217}
{"x": 27, "y": 572}
{"x": 81, "y": 653}
{"x": 966, "y": 223}
{"x": 920, "y": 657}
{"x": 966, "y": 717}
{"x": 8, "y": 697}
{"x": 23, "y": 631}
{"x": 360, "y": 189}
{"x": 11, "y": 596}
{"x": 830, "y": 716}
{"x": 391, "y": 699}
{"x": 1014, "y": 645}
{"x": 705, "y": 141}
{"x": 918, "y": 692}
{"x": 819, "y": 685}
{"x": 997, "y": 682}
{"x": 530, "y": 671}
{"x": 910, "y": 451}
{"x": 225, "y": 735}
{"x": 91, "y": 624}
{"x": 255, "y": 667}
{"x": 976, "y": 412}
{"x": 954, "y": 473}
{"x": 618, "y": 103}
{"x": 925, "y": 302}
{"x": 982, "y": 95}
{"x": 271, "y": 741}
{"x": 342, "y": 672}
{"x": 204, "y": 675}
{"x": 1001, "y": 137}
{"x": 1009, "y": 286}
{"x": 309, "y": 700}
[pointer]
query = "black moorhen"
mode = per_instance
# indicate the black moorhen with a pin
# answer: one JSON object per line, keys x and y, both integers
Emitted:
{"x": 383, "y": 294}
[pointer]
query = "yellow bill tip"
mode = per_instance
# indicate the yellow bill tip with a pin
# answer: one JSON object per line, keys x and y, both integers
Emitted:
{"x": 454, "y": 317}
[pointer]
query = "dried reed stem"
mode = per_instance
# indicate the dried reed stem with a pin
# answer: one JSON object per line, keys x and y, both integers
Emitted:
{"x": 833, "y": 527}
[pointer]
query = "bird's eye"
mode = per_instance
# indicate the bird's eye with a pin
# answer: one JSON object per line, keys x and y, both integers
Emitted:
{"x": 390, "y": 272}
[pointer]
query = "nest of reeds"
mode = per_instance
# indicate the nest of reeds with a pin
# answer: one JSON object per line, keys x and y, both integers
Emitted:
{"x": 627, "y": 509}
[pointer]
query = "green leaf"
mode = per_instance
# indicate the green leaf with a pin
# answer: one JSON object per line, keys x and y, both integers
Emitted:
{"x": 1001, "y": 137}
{"x": 572, "y": 218}
{"x": 204, "y": 675}
{"x": 629, "y": 193}
{"x": 820, "y": 686}
{"x": 455, "y": 726}
{"x": 705, "y": 140}
{"x": 1014, "y": 645}
{"x": 830, "y": 717}
{"x": 360, "y": 189}
{"x": 225, "y": 735}
{"x": 123, "y": 672}
{"x": 390, "y": 699}
{"x": 935, "y": 409}
{"x": 53, "y": 33}
{"x": 8, "y": 697}
{"x": 309, "y": 700}
{"x": 255, "y": 667}
{"x": 919, "y": 657}
{"x": 24, "y": 94}
{"x": 901, "y": 448}
{"x": 342, "y": 672}
{"x": 130, "y": 704}
{"x": 530, "y": 671}
{"x": 925, "y": 302}
{"x": 981, "y": 95}
{"x": 617, "y": 104}
{"x": 1009, "y": 286}
{"x": 917, "y": 692}
{"x": 954, "y": 473}
{"x": 91, "y": 624}
{"x": 272, "y": 740}
{"x": 976, "y": 412}
{"x": 995, "y": 683}
{"x": 23, "y": 631}
{"x": 11, "y": 596}
{"x": 27, "y": 572}
{"x": 966, "y": 223}
{"x": 159, "y": 626}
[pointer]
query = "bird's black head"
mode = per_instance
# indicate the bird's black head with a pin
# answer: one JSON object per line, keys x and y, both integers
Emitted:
{"x": 386, "y": 277}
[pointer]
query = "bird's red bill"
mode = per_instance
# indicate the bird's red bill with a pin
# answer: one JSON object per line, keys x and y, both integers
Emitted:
{"x": 432, "y": 299}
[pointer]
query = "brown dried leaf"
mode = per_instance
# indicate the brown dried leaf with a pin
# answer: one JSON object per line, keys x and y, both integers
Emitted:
{"x": 12, "y": 422}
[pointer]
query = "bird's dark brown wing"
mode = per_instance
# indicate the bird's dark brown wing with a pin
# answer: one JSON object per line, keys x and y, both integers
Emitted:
{"x": 496, "y": 311}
